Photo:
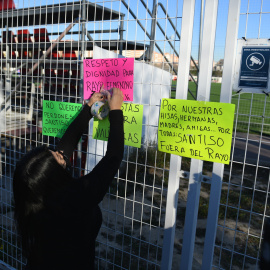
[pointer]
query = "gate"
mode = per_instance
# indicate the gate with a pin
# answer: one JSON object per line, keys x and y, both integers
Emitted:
{"x": 162, "y": 211}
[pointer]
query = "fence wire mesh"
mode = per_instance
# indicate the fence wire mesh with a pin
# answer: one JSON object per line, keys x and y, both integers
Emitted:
{"x": 131, "y": 236}
{"x": 244, "y": 198}
{"x": 133, "y": 210}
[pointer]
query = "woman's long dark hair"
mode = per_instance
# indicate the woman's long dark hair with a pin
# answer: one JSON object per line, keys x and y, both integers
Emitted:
{"x": 36, "y": 177}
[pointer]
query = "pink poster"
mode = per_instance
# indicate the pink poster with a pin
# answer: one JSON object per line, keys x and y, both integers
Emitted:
{"x": 112, "y": 72}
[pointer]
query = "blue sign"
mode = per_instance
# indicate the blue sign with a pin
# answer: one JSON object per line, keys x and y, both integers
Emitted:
{"x": 254, "y": 69}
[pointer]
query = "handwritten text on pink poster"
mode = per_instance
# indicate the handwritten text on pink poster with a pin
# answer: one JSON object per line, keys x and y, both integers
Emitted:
{"x": 112, "y": 72}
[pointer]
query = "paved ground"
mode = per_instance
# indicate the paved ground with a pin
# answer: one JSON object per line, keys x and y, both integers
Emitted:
{"x": 251, "y": 146}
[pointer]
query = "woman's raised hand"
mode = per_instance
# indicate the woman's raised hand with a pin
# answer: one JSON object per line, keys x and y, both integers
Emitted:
{"x": 96, "y": 97}
{"x": 115, "y": 101}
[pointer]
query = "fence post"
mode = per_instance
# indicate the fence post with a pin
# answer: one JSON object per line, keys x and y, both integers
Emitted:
{"x": 204, "y": 86}
{"x": 175, "y": 162}
{"x": 218, "y": 169}
{"x": 153, "y": 30}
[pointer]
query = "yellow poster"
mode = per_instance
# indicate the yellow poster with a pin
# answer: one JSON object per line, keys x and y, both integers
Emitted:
{"x": 196, "y": 129}
{"x": 133, "y": 118}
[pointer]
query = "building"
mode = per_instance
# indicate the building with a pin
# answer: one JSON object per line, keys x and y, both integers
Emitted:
{"x": 219, "y": 65}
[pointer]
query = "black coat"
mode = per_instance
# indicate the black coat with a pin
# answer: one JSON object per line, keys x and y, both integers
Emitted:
{"x": 69, "y": 225}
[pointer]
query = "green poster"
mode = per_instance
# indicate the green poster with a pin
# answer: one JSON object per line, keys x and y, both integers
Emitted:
{"x": 133, "y": 116}
{"x": 196, "y": 129}
{"x": 57, "y": 116}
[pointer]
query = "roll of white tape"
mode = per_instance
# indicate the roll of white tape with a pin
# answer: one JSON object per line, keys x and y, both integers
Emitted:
{"x": 100, "y": 110}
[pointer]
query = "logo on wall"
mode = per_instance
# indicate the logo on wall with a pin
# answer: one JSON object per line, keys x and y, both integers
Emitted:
{"x": 255, "y": 61}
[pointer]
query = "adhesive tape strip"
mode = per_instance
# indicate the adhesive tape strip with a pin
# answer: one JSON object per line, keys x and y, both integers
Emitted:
{"x": 100, "y": 110}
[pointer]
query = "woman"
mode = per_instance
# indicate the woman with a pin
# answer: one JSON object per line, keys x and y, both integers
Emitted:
{"x": 58, "y": 216}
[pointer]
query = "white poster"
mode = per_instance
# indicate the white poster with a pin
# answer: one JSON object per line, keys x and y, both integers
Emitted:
{"x": 151, "y": 84}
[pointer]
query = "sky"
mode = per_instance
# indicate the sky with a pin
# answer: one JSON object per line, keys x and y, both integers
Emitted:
{"x": 254, "y": 25}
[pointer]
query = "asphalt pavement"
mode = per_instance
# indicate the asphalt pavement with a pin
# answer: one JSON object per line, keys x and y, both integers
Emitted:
{"x": 251, "y": 149}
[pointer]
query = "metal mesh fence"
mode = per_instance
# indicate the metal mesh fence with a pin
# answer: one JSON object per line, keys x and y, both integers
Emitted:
{"x": 133, "y": 210}
{"x": 244, "y": 198}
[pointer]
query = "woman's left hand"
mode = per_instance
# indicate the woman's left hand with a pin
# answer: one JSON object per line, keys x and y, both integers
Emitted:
{"x": 96, "y": 97}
